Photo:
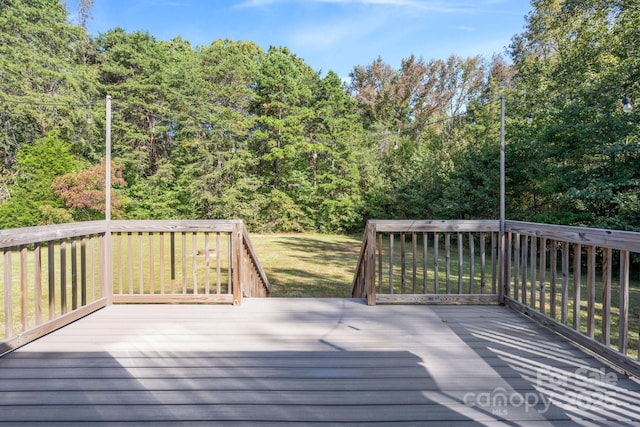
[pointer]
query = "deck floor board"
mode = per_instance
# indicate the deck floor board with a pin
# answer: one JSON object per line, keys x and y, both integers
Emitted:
{"x": 310, "y": 361}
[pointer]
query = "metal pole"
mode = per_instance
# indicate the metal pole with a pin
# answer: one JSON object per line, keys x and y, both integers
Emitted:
{"x": 502, "y": 280}
{"x": 108, "y": 273}
{"x": 107, "y": 161}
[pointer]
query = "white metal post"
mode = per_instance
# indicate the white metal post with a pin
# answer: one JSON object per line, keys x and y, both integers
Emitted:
{"x": 502, "y": 279}
{"x": 108, "y": 265}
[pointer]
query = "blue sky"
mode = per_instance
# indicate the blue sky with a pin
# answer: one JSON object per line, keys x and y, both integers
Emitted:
{"x": 328, "y": 34}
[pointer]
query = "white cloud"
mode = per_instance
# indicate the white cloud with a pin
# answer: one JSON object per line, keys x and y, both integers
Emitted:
{"x": 326, "y": 35}
{"x": 465, "y": 28}
{"x": 166, "y": 3}
{"x": 434, "y": 6}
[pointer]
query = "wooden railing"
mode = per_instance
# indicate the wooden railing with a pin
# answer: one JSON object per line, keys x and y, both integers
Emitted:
{"x": 575, "y": 280}
{"x": 184, "y": 261}
{"x": 428, "y": 261}
{"x": 578, "y": 281}
{"x": 53, "y": 275}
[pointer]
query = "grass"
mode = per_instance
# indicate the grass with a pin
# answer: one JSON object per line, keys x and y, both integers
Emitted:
{"x": 308, "y": 265}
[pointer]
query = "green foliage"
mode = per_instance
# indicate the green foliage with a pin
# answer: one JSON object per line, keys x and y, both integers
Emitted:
{"x": 230, "y": 131}
{"x": 33, "y": 201}
{"x": 574, "y": 60}
{"x": 133, "y": 70}
{"x": 45, "y": 84}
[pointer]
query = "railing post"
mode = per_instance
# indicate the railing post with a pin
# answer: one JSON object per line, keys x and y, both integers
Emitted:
{"x": 503, "y": 266}
{"x": 370, "y": 269}
{"x": 8, "y": 294}
{"x": 623, "y": 323}
{"x": 236, "y": 263}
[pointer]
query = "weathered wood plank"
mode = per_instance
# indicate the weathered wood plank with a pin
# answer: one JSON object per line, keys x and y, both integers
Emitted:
{"x": 370, "y": 273}
{"x": 577, "y": 283}
{"x": 391, "y": 262}
{"x": 426, "y": 423}
{"x": 262, "y": 359}
{"x": 182, "y": 226}
{"x": 460, "y": 244}
{"x": 24, "y": 296}
{"x": 17, "y": 341}
{"x": 543, "y": 275}
{"x": 130, "y": 260}
{"x": 447, "y": 262}
{"x": 564, "y": 310}
{"x": 553, "y": 267}
{"x": 304, "y": 361}
{"x": 15, "y": 237}
{"x": 623, "y": 240}
{"x": 414, "y": 264}
{"x": 8, "y": 294}
{"x": 255, "y": 264}
{"x": 246, "y": 383}
{"x": 37, "y": 281}
{"x": 436, "y": 298}
{"x": 591, "y": 291}
{"x": 396, "y": 226}
{"x": 425, "y": 266}
{"x": 525, "y": 267}
{"x": 436, "y": 269}
{"x": 427, "y": 410}
{"x": 173, "y": 299}
{"x": 607, "y": 273}
{"x": 626, "y": 363}
{"x": 214, "y": 397}
{"x": 623, "y": 319}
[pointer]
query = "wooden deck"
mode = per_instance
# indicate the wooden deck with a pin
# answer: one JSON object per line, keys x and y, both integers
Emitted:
{"x": 334, "y": 361}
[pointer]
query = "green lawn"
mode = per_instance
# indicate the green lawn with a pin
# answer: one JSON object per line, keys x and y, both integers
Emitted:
{"x": 308, "y": 265}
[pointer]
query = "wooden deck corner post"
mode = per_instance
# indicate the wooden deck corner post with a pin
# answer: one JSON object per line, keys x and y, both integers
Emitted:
{"x": 370, "y": 269}
{"x": 236, "y": 263}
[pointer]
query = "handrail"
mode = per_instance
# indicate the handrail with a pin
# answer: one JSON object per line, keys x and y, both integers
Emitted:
{"x": 185, "y": 262}
{"x": 197, "y": 225}
{"x": 565, "y": 278}
{"x": 378, "y": 267}
{"x": 432, "y": 225}
{"x": 261, "y": 286}
{"x": 46, "y": 233}
{"x": 363, "y": 285}
{"x": 52, "y": 275}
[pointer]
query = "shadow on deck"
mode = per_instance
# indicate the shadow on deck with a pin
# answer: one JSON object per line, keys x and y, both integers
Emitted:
{"x": 332, "y": 361}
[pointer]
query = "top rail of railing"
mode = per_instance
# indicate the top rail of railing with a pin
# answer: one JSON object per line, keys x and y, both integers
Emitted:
{"x": 603, "y": 238}
{"x": 441, "y": 226}
{"x": 29, "y": 235}
{"x": 175, "y": 226}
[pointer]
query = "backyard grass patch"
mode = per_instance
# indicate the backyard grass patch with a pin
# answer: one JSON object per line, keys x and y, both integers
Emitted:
{"x": 308, "y": 265}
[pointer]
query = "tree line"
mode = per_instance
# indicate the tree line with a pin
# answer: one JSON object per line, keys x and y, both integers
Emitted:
{"x": 230, "y": 130}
